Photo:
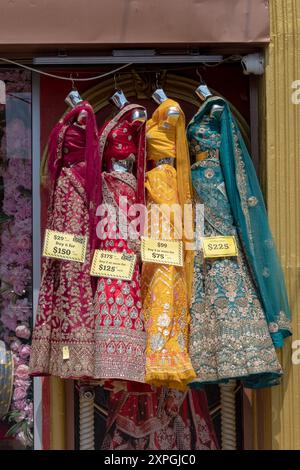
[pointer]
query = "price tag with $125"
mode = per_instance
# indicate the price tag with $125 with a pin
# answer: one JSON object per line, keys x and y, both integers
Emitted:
{"x": 113, "y": 265}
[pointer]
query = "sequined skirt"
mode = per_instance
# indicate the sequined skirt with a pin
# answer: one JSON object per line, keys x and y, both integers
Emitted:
{"x": 120, "y": 330}
{"x": 63, "y": 337}
{"x": 229, "y": 335}
{"x": 162, "y": 420}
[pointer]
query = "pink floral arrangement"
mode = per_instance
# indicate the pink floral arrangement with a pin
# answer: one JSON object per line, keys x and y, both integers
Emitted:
{"x": 15, "y": 252}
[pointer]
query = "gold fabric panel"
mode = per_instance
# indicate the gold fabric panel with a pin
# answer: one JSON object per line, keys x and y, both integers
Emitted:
{"x": 278, "y": 410}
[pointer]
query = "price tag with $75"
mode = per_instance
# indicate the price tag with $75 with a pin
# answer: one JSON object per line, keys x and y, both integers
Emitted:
{"x": 168, "y": 252}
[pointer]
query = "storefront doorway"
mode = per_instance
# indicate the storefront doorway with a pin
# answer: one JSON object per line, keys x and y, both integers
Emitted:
{"x": 137, "y": 82}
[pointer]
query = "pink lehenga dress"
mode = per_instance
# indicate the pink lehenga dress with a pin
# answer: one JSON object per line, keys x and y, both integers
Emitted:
{"x": 120, "y": 329}
{"x": 164, "y": 419}
{"x": 65, "y": 316}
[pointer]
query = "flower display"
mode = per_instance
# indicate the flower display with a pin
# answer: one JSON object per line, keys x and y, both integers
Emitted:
{"x": 22, "y": 331}
{"x": 15, "y": 244}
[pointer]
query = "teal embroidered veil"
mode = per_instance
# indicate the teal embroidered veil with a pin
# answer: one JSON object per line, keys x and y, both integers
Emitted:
{"x": 251, "y": 220}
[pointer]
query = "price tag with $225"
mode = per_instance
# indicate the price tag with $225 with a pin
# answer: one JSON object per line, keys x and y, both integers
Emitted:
{"x": 219, "y": 247}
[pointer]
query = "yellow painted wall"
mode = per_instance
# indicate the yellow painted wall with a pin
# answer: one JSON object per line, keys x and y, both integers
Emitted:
{"x": 278, "y": 410}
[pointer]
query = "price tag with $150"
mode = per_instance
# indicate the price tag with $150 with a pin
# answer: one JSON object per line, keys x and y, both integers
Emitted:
{"x": 65, "y": 246}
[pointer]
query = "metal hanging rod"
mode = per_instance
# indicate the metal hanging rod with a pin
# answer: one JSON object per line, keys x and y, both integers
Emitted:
{"x": 123, "y": 59}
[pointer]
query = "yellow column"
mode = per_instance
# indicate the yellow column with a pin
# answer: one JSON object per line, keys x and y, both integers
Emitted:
{"x": 278, "y": 410}
{"x": 58, "y": 414}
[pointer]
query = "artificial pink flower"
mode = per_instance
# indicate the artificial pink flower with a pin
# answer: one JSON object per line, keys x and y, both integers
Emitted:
{"x": 15, "y": 345}
{"x": 20, "y": 282}
{"x": 22, "y": 371}
{"x": 15, "y": 241}
{"x": 25, "y": 383}
{"x": 23, "y": 242}
{"x": 22, "y": 331}
{"x": 24, "y": 351}
{"x": 18, "y": 360}
{"x": 19, "y": 393}
{"x": 8, "y": 321}
{"x": 22, "y": 310}
{"x": 19, "y": 405}
{"x": 29, "y": 410}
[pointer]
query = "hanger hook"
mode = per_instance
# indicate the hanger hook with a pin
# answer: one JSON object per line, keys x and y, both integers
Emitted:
{"x": 73, "y": 82}
{"x": 157, "y": 77}
{"x": 200, "y": 76}
{"x": 115, "y": 81}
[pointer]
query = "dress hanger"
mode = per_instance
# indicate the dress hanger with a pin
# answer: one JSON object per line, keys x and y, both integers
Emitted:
{"x": 118, "y": 98}
{"x": 73, "y": 98}
{"x": 204, "y": 93}
{"x": 202, "y": 90}
{"x": 158, "y": 95}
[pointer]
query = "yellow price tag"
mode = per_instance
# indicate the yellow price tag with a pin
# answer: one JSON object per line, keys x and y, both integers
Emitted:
{"x": 219, "y": 247}
{"x": 162, "y": 251}
{"x": 66, "y": 353}
{"x": 113, "y": 265}
{"x": 65, "y": 246}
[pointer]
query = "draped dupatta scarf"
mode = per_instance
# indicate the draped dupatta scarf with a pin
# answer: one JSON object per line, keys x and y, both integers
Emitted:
{"x": 251, "y": 220}
{"x": 184, "y": 181}
{"x": 92, "y": 159}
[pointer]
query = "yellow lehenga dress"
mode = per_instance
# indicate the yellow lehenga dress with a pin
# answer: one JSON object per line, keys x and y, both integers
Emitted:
{"x": 166, "y": 289}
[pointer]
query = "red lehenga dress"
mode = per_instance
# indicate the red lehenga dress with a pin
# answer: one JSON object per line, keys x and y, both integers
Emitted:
{"x": 65, "y": 315}
{"x": 120, "y": 331}
{"x": 162, "y": 420}
{"x": 140, "y": 416}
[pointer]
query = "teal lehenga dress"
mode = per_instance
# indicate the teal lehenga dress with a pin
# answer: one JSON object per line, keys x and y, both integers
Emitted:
{"x": 239, "y": 311}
